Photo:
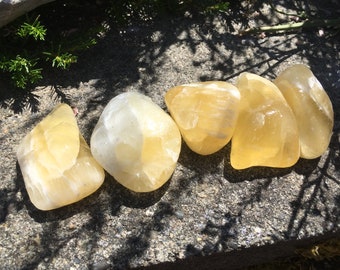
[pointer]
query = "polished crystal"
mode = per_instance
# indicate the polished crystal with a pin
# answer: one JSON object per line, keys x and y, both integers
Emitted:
{"x": 205, "y": 113}
{"x": 136, "y": 142}
{"x": 266, "y": 132}
{"x": 56, "y": 163}
{"x": 311, "y": 106}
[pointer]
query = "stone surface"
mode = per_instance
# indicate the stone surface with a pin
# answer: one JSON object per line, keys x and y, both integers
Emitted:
{"x": 208, "y": 214}
{"x": 12, "y": 9}
{"x": 311, "y": 106}
{"x": 56, "y": 163}
{"x": 136, "y": 142}
{"x": 266, "y": 132}
{"x": 205, "y": 113}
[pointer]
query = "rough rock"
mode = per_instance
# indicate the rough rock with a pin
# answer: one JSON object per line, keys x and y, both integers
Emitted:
{"x": 12, "y": 9}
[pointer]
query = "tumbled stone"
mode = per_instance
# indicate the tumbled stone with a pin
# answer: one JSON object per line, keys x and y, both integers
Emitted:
{"x": 311, "y": 106}
{"x": 56, "y": 163}
{"x": 205, "y": 113}
{"x": 266, "y": 132}
{"x": 136, "y": 142}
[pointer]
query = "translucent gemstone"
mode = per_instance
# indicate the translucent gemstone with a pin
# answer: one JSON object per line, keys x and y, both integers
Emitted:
{"x": 311, "y": 106}
{"x": 266, "y": 132}
{"x": 205, "y": 113}
{"x": 56, "y": 163}
{"x": 136, "y": 142}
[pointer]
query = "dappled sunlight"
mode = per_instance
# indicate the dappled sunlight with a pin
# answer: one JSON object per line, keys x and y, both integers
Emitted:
{"x": 207, "y": 208}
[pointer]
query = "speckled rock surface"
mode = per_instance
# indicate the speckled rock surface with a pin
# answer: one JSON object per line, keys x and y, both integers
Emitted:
{"x": 208, "y": 211}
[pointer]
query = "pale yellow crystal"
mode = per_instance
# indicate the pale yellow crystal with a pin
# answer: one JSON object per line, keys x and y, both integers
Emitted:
{"x": 205, "y": 113}
{"x": 311, "y": 106}
{"x": 56, "y": 163}
{"x": 266, "y": 132}
{"x": 136, "y": 142}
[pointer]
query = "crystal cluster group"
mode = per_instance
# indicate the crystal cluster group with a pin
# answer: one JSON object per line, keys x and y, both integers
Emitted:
{"x": 268, "y": 123}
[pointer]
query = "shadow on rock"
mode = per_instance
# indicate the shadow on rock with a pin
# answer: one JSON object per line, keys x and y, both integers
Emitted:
{"x": 201, "y": 164}
{"x": 136, "y": 199}
{"x": 17, "y": 100}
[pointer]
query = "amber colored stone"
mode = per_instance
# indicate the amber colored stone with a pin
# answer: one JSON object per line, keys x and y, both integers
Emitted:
{"x": 205, "y": 113}
{"x": 311, "y": 106}
{"x": 56, "y": 163}
{"x": 266, "y": 132}
{"x": 136, "y": 142}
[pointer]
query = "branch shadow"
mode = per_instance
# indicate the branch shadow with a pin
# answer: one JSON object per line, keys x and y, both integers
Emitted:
{"x": 132, "y": 57}
{"x": 313, "y": 196}
{"x": 225, "y": 234}
{"x": 17, "y": 100}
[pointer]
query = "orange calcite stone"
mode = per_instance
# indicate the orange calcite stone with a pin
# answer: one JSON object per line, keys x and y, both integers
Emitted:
{"x": 311, "y": 106}
{"x": 56, "y": 163}
{"x": 205, "y": 113}
{"x": 136, "y": 142}
{"x": 266, "y": 132}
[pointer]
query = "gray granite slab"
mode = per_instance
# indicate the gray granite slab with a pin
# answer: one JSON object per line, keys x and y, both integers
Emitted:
{"x": 208, "y": 215}
{"x": 12, "y": 9}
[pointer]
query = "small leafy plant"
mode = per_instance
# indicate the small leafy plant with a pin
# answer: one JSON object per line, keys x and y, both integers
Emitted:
{"x": 32, "y": 41}
{"x": 34, "y": 29}
{"x": 61, "y": 60}
{"x": 27, "y": 47}
{"x": 22, "y": 70}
